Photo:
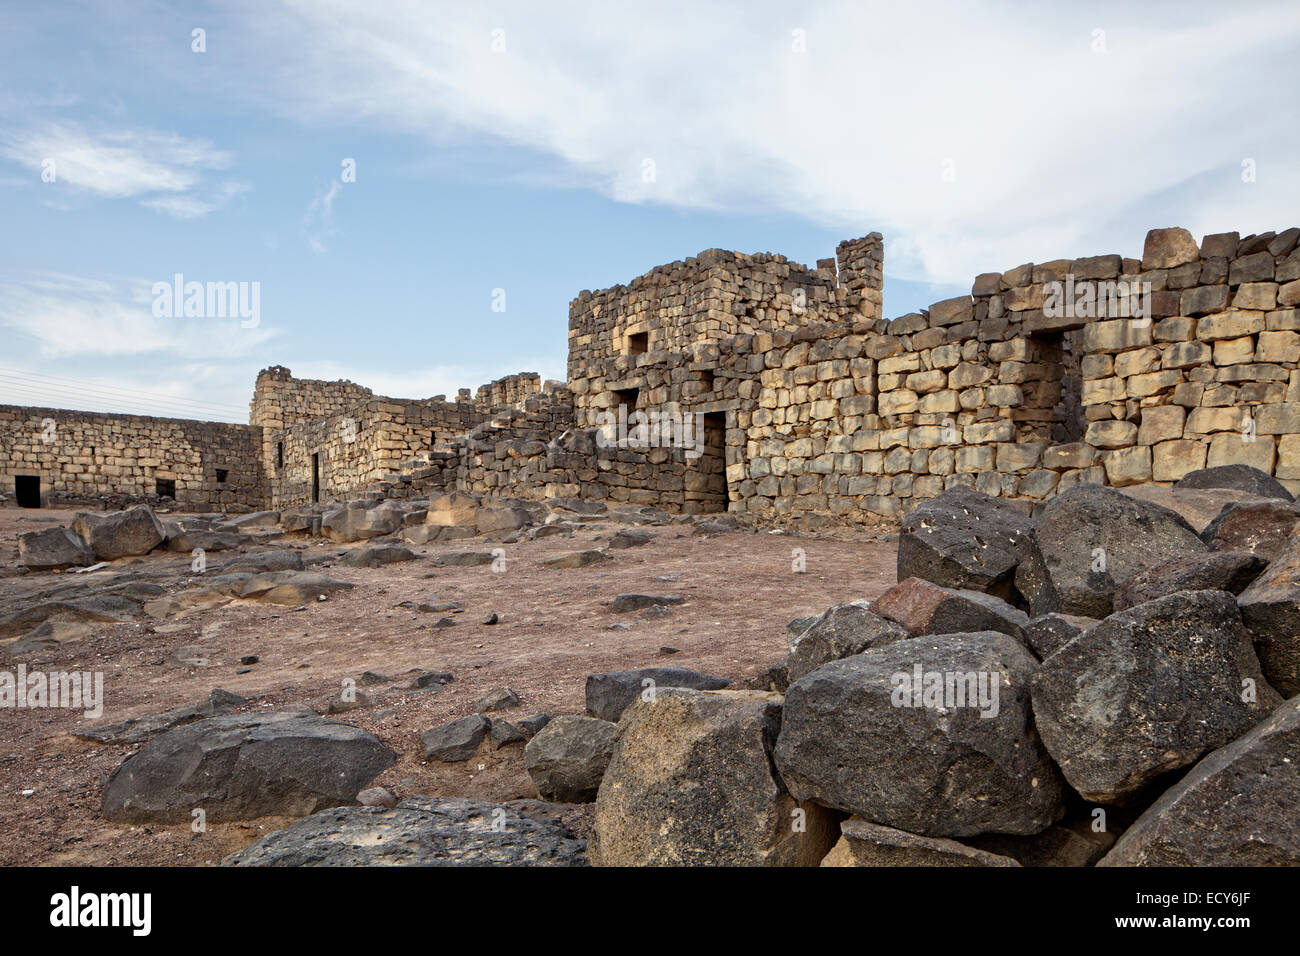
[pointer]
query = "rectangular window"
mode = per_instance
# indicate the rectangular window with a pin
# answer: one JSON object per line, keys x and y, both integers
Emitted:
{"x": 638, "y": 343}
{"x": 222, "y": 475}
{"x": 165, "y": 488}
{"x": 279, "y": 454}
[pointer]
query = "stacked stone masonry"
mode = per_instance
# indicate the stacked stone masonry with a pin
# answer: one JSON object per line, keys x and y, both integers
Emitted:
{"x": 801, "y": 398}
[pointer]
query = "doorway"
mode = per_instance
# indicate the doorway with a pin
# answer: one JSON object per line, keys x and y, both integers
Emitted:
{"x": 706, "y": 488}
{"x": 315, "y": 477}
{"x": 27, "y": 491}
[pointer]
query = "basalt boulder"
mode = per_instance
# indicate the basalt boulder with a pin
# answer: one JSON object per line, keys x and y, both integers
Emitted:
{"x": 964, "y": 539}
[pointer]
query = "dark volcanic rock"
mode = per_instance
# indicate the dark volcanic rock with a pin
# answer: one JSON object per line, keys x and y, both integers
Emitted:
{"x": 608, "y": 695}
{"x": 925, "y": 608}
{"x": 842, "y": 631}
{"x": 245, "y": 766}
{"x": 870, "y": 844}
{"x": 283, "y": 560}
{"x": 624, "y": 603}
{"x": 1260, "y": 527}
{"x": 1228, "y": 571}
{"x": 1237, "y": 807}
{"x": 1050, "y": 632}
{"x": 1062, "y": 844}
{"x": 861, "y": 736}
{"x": 1271, "y": 609}
{"x": 964, "y": 539}
{"x": 377, "y": 556}
{"x": 1148, "y": 690}
{"x": 136, "y": 730}
{"x": 691, "y": 783}
{"x": 419, "y": 831}
{"x": 122, "y": 533}
{"x": 1238, "y": 478}
{"x": 1091, "y": 539}
{"x": 568, "y": 757}
{"x": 455, "y": 741}
{"x": 53, "y": 548}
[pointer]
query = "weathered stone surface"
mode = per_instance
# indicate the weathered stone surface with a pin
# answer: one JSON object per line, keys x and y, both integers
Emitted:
{"x": 499, "y": 698}
{"x": 1228, "y": 571}
{"x": 630, "y": 538}
{"x": 455, "y": 741}
{"x": 452, "y": 510}
{"x": 624, "y": 603}
{"x": 1166, "y": 248}
{"x": 1063, "y": 844}
{"x": 1091, "y": 539}
{"x": 841, "y": 631}
{"x": 608, "y": 695}
{"x": 852, "y": 738}
{"x": 463, "y": 559}
{"x": 869, "y": 844}
{"x": 377, "y": 556}
{"x": 1235, "y": 808}
{"x": 567, "y": 758}
{"x": 283, "y": 560}
{"x": 109, "y": 608}
{"x": 1260, "y": 527}
{"x": 495, "y": 518}
{"x": 137, "y": 730}
{"x": 925, "y": 608}
{"x": 53, "y": 548}
{"x": 290, "y": 587}
{"x": 419, "y": 831}
{"x": 354, "y": 522}
{"x": 1146, "y": 691}
{"x": 1238, "y": 477}
{"x": 120, "y": 534}
{"x": 576, "y": 559}
{"x": 691, "y": 783}
{"x": 964, "y": 539}
{"x": 1050, "y": 632}
{"x": 1270, "y": 608}
{"x": 245, "y": 766}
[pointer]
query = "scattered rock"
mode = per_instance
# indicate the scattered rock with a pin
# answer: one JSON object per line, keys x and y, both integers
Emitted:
{"x": 1238, "y": 478}
{"x": 691, "y": 783}
{"x": 842, "y": 631}
{"x": 463, "y": 559}
{"x": 376, "y": 797}
{"x": 1048, "y": 634}
{"x": 419, "y": 831}
{"x": 925, "y": 608}
{"x": 284, "y": 560}
{"x": 608, "y": 695}
{"x": 869, "y": 844}
{"x": 120, "y": 534}
{"x": 567, "y": 758}
{"x": 575, "y": 559}
{"x": 377, "y": 556}
{"x": 1228, "y": 571}
{"x": 53, "y": 548}
{"x": 1260, "y": 527}
{"x": 631, "y": 538}
{"x": 885, "y": 735}
{"x": 636, "y": 602}
{"x": 1270, "y": 608}
{"x": 1089, "y": 540}
{"x": 455, "y": 741}
{"x": 1234, "y": 808}
{"x": 499, "y": 698}
{"x": 244, "y": 766}
{"x": 1148, "y": 690}
{"x": 964, "y": 539}
{"x": 137, "y": 730}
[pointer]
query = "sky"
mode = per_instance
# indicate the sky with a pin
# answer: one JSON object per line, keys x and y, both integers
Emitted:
{"x": 416, "y": 190}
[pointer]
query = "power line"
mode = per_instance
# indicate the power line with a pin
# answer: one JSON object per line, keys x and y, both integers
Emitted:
{"x": 101, "y": 387}
{"x": 51, "y": 396}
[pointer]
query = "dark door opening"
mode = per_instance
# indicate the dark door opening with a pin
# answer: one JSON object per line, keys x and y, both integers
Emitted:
{"x": 165, "y": 488}
{"x": 628, "y": 397}
{"x": 706, "y": 483}
{"x": 27, "y": 490}
{"x": 315, "y": 477}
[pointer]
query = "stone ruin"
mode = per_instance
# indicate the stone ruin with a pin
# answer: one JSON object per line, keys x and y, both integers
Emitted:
{"x": 731, "y": 382}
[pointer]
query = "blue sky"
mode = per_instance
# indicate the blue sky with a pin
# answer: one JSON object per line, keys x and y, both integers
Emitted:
{"x": 505, "y": 146}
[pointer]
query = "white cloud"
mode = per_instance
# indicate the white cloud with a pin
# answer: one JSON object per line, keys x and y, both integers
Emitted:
{"x": 442, "y": 379}
{"x": 1057, "y": 150}
{"x": 64, "y": 317}
{"x": 123, "y": 164}
{"x": 318, "y": 221}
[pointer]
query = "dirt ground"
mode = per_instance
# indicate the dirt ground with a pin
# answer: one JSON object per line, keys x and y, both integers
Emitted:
{"x": 554, "y": 628}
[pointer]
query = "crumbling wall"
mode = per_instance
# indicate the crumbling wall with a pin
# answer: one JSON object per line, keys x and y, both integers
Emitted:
{"x": 83, "y": 456}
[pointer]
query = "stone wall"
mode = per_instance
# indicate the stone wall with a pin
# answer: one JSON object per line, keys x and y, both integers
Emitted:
{"x": 81, "y": 457}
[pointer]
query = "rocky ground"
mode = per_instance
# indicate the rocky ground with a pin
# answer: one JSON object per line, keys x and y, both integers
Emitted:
{"x": 554, "y": 627}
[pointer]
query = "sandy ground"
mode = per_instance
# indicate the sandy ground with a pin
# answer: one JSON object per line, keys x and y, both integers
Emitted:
{"x": 555, "y": 627}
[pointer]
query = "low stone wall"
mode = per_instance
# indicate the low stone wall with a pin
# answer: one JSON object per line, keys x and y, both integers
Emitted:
{"x": 83, "y": 456}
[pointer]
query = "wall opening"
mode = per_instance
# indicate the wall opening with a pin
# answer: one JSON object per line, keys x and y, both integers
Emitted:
{"x": 707, "y": 380}
{"x": 315, "y": 477}
{"x": 1052, "y": 409}
{"x": 638, "y": 343}
{"x": 222, "y": 475}
{"x": 165, "y": 488}
{"x": 706, "y": 479}
{"x": 279, "y": 454}
{"x": 27, "y": 491}
{"x": 629, "y": 397}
